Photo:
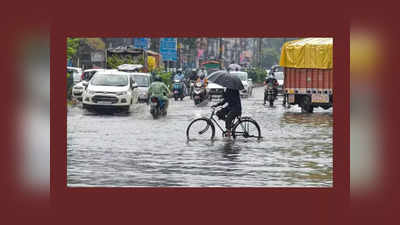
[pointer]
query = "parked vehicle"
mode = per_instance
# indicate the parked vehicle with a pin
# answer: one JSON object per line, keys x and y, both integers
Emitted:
{"x": 109, "y": 90}
{"x": 78, "y": 88}
{"x": 177, "y": 90}
{"x": 199, "y": 93}
{"x": 76, "y": 72}
{"x": 157, "y": 107}
{"x": 247, "y": 83}
{"x": 308, "y": 77}
{"x": 143, "y": 81}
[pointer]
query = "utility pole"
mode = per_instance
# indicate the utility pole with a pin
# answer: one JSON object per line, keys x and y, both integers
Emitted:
{"x": 259, "y": 52}
{"x": 220, "y": 53}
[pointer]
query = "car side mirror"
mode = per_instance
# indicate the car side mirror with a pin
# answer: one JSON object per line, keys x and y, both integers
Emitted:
{"x": 134, "y": 85}
{"x": 85, "y": 83}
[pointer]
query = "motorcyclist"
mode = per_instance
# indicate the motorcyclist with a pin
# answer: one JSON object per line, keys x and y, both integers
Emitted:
{"x": 192, "y": 79}
{"x": 201, "y": 72}
{"x": 232, "y": 110}
{"x": 179, "y": 76}
{"x": 193, "y": 75}
{"x": 160, "y": 90}
{"x": 203, "y": 80}
{"x": 271, "y": 80}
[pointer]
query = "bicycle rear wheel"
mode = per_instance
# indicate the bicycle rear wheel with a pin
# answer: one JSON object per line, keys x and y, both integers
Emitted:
{"x": 200, "y": 129}
{"x": 246, "y": 128}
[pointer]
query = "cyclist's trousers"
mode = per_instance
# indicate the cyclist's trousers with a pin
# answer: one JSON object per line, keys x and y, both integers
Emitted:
{"x": 229, "y": 119}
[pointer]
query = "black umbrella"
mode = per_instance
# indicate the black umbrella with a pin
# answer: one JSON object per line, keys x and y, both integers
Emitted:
{"x": 227, "y": 80}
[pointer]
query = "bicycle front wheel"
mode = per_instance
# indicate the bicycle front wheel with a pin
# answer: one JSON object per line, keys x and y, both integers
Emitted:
{"x": 247, "y": 128}
{"x": 200, "y": 129}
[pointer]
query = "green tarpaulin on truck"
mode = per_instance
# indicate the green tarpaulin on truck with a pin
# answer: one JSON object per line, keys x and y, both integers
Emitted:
{"x": 308, "y": 53}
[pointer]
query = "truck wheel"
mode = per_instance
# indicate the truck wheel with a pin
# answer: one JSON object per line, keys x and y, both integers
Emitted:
{"x": 306, "y": 105}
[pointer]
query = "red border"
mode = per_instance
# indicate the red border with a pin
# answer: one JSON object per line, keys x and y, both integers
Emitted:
{"x": 287, "y": 204}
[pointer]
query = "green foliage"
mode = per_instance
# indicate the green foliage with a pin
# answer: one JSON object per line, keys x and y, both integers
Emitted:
{"x": 95, "y": 43}
{"x": 166, "y": 78}
{"x": 72, "y": 47}
{"x": 115, "y": 60}
{"x": 257, "y": 75}
{"x": 270, "y": 57}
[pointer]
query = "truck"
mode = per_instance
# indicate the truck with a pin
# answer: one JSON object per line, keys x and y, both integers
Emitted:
{"x": 308, "y": 73}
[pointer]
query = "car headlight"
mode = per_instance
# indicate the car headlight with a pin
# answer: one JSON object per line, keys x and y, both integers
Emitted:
{"x": 122, "y": 93}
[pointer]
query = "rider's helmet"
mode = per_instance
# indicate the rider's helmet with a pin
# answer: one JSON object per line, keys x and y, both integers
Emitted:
{"x": 179, "y": 71}
{"x": 202, "y": 76}
{"x": 157, "y": 78}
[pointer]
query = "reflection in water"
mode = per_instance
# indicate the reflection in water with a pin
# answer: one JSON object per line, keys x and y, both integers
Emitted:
{"x": 230, "y": 150}
{"x": 315, "y": 119}
{"x": 135, "y": 150}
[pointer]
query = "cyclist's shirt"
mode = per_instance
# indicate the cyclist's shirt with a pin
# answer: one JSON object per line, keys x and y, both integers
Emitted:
{"x": 232, "y": 97}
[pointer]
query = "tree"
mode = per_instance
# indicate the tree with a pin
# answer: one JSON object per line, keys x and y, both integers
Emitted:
{"x": 72, "y": 47}
{"x": 114, "y": 61}
{"x": 95, "y": 43}
{"x": 270, "y": 57}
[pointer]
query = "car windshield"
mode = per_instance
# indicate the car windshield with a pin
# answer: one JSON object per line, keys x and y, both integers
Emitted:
{"x": 72, "y": 71}
{"x": 279, "y": 76}
{"x": 109, "y": 80}
{"x": 242, "y": 76}
{"x": 141, "y": 80}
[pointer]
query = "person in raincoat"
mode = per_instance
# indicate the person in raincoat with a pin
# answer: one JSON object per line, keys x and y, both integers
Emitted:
{"x": 160, "y": 90}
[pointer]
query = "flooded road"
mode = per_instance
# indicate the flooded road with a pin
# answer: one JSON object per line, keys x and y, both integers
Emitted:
{"x": 134, "y": 150}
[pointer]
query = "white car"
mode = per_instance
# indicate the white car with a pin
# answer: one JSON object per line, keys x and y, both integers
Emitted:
{"x": 109, "y": 90}
{"x": 213, "y": 89}
{"x": 142, "y": 81}
{"x": 78, "y": 88}
{"x": 76, "y": 73}
{"x": 247, "y": 83}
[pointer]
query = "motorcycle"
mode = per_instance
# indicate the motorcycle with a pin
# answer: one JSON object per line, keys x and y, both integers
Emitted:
{"x": 157, "y": 107}
{"x": 199, "y": 93}
{"x": 178, "y": 90}
{"x": 270, "y": 94}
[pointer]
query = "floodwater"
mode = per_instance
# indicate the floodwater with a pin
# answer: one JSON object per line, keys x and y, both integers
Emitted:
{"x": 133, "y": 150}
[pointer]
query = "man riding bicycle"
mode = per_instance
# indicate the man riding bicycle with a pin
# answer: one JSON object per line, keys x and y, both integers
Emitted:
{"x": 232, "y": 110}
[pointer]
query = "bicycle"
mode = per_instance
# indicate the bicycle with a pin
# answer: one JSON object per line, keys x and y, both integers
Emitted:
{"x": 241, "y": 127}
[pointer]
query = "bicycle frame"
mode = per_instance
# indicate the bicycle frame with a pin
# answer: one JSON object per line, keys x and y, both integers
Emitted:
{"x": 219, "y": 126}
